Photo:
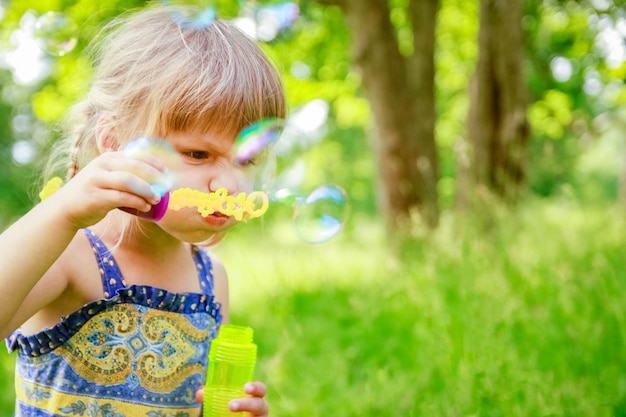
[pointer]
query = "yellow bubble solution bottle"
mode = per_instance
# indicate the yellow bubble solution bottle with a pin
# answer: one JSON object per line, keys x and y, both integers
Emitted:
{"x": 231, "y": 365}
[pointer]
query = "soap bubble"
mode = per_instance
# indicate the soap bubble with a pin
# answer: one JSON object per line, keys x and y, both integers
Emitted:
{"x": 286, "y": 196}
{"x": 199, "y": 15}
{"x": 305, "y": 128}
{"x": 322, "y": 214}
{"x": 253, "y": 150}
{"x": 55, "y": 33}
{"x": 273, "y": 18}
{"x": 265, "y": 21}
{"x": 317, "y": 217}
{"x": 256, "y": 140}
{"x": 142, "y": 147}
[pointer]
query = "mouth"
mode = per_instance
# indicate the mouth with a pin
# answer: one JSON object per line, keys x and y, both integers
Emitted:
{"x": 216, "y": 219}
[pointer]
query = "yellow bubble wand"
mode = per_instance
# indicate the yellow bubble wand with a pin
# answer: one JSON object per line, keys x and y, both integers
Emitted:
{"x": 242, "y": 206}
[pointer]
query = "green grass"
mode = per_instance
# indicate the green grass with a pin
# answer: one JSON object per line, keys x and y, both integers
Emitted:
{"x": 7, "y": 399}
{"x": 525, "y": 316}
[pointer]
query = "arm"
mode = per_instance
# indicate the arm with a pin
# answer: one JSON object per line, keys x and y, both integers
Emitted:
{"x": 31, "y": 246}
{"x": 27, "y": 250}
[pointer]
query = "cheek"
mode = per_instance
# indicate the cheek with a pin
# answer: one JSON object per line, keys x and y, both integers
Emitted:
{"x": 245, "y": 181}
{"x": 194, "y": 179}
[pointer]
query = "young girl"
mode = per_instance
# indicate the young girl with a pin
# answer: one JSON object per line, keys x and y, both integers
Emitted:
{"x": 112, "y": 314}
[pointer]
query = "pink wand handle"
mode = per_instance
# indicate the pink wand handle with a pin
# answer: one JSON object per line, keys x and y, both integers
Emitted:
{"x": 157, "y": 211}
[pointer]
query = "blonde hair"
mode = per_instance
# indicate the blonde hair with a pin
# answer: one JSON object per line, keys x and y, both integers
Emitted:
{"x": 155, "y": 74}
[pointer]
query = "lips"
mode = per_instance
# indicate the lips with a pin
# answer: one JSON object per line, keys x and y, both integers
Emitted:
{"x": 216, "y": 219}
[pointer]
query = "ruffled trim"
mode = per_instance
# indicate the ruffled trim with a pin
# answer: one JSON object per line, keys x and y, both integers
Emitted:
{"x": 49, "y": 339}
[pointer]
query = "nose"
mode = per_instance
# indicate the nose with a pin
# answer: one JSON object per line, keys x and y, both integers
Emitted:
{"x": 224, "y": 175}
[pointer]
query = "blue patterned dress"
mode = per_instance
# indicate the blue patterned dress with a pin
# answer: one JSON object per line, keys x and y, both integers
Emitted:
{"x": 139, "y": 351}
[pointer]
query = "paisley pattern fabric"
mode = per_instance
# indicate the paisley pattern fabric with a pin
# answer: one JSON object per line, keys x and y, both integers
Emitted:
{"x": 139, "y": 351}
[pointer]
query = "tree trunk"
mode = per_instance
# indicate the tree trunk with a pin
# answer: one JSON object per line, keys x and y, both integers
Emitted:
{"x": 494, "y": 162}
{"x": 401, "y": 93}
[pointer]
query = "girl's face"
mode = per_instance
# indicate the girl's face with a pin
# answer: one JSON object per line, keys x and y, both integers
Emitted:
{"x": 207, "y": 163}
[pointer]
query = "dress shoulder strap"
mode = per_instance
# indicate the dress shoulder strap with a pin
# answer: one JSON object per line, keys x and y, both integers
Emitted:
{"x": 205, "y": 269}
{"x": 110, "y": 274}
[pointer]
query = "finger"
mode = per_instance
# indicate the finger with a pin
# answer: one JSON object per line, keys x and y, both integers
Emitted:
{"x": 152, "y": 160}
{"x": 99, "y": 192}
{"x": 144, "y": 168}
{"x": 256, "y": 406}
{"x": 148, "y": 168}
{"x": 255, "y": 389}
{"x": 200, "y": 395}
{"x": 129, "y": 185}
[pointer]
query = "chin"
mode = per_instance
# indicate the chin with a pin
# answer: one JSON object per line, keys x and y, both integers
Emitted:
{"x": 200, "y": 235}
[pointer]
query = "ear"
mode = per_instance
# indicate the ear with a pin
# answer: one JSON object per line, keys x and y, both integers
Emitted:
{"x": 106, "y": 137}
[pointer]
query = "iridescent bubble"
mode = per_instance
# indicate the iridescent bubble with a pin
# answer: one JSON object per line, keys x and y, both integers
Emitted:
{"x": 197, "y": 14}
{"x": 263, "y": 20}
{"x": 253, "y": 153}
{"x": 273, "y": 18}
{"x": 304, "y": 129}
{"x": 285, "y": 196}
{"x": 322, "y": 214}
{"x": 142, "y": 147}
{"x": 255, "y": 141}
{"x": 55, "y": 33}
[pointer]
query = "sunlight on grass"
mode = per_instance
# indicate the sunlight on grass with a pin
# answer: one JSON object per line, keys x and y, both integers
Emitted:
{"x": 522, "y": 315}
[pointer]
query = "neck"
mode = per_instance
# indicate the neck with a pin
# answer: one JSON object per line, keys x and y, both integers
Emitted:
{"x": 147, "y": 255}
{"x": 133, "y": 234}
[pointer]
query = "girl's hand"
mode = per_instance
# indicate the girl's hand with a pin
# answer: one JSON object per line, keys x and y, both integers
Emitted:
{"x": 109, "y": 181}
{"x": 254, "y": 404}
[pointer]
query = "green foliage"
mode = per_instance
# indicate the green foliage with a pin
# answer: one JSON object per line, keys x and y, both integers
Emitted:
{"x": 560, "y": 110}
{"x": 550, "y": 114}
{"x": 343, "y": 156}
{"x": 563, "y": 110}
{"x": 14, "y": 179}
{"x": 52, "y": 101}
{"x": 548, "y": 177}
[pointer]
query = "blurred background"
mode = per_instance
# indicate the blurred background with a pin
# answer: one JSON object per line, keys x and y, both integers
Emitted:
{"x": 448, "y": 233}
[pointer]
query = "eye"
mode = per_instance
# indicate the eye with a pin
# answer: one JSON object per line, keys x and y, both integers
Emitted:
{"x": 197, "y": 155}
{"x": 247, "y": 162}
{"x": 253, "y": 159}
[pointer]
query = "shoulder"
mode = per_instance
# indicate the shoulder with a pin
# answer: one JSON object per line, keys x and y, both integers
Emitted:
{"x": 81, "y": 267}
{"x": 220, "y": 275}
{"x": 217, "y": 267}
{"x": 69, "y": 283}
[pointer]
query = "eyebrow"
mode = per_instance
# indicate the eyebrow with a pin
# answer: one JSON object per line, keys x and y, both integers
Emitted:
{"x": 199, "y": 141}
